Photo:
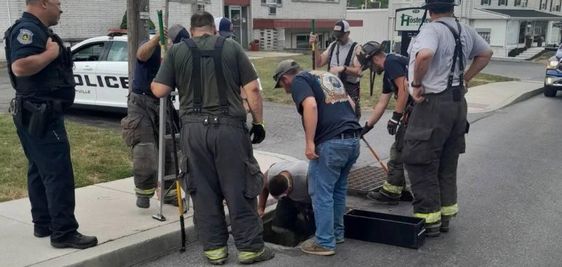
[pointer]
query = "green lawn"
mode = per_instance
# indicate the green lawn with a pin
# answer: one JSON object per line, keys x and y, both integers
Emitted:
{"x": 98, "y": 155}
{"x": 266, "y": 66}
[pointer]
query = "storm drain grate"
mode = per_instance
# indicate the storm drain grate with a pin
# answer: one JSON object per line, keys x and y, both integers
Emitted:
{"x": 365, "y": 179}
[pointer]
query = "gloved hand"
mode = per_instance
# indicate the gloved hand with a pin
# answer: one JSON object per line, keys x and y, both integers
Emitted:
{"x": 392, "y": 124}
{"x": 366, "y": 128}
{"x": 258, "y": 133}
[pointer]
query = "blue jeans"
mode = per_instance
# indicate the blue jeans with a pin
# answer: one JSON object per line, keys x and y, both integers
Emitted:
{"x": 327, "y": 186}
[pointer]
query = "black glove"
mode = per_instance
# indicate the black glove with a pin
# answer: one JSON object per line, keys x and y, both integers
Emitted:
{"x": 258, "y": 132}
{"x": 366, "y": 128}
{"x": 393, "y": 123}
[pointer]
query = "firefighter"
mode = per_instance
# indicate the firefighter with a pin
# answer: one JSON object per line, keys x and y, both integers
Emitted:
{"x": 394, "y": 82}
{"x": 140, "y": 127}
{"x": 341, "y": 58}
{"x": 436, "y": 130}
{"x": 215, "y": 139}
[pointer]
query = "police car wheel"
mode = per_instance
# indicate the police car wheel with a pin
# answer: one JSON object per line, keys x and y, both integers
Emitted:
{"x": 549, "y": 91}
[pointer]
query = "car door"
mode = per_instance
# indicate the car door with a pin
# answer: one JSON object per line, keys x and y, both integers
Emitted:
{"x": 86, "y": 59}
{"x": 113, "y": 75}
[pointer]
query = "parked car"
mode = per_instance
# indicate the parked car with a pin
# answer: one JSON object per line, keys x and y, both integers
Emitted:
{"x": 553, "y": 75}
{"x": 101, "y": 73}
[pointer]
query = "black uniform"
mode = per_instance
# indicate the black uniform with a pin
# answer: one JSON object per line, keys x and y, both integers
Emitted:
{"x": 38, "y": 116}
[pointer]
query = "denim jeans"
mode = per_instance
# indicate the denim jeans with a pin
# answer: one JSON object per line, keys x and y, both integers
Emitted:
{"x": 327, "y": 186}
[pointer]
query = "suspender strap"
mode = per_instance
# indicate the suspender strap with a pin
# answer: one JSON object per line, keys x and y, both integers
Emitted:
{"x": 350, "y": 54}
{"x": 331, "y": 53}
{"x": 458, "y": 54}
{"x": 197, "y": 78}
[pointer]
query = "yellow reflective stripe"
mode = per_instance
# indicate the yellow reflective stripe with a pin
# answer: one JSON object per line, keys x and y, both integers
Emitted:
{"x": 450, "y": 210}
{"x": 247, "y": 255}
{"x": 216, "y": 254}
{"x": 145, "y": 191}
{"x": 392, "y": 188}
{"x": 429, "y": 217}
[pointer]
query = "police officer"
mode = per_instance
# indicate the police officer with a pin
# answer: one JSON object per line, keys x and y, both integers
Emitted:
{"x": 342, "y": 61}
{"x": 140, "y": 127}
{"x": 332, "y": 146}
{"x": 435, "y": 135}
{"x": 287, "y": 181}
{"x": 209, "y": 71}
{"x": 394, "y": 82}
{"x": 40, "y": 69}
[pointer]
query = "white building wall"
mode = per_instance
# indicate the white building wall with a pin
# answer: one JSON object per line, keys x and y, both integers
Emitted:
{"x": 498, "y": 31}
{"x": 299, "y": 9}
{"x": 376, "y": 25}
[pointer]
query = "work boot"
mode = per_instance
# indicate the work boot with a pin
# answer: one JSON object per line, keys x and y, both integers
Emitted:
{"x": 143, "y": 202}
{"x": 432, "y": 229}
{"x": 41, "y": 231}
{"x": 76, "y": 240}
{"x": 309, "y": 246}
{"x": 247, "y": 257}
{"x": 445, "y": 223}
{"x": 384, "y": 197}
{"x": 217, "y": 256}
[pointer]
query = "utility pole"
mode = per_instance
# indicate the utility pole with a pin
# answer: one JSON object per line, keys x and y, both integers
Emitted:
{"x": 137, "y": 17}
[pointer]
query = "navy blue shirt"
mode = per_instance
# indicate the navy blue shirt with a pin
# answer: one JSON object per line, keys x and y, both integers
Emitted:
{"x": 335, "y": 113}
{"x": 145, "y": 73}
{"x": 29, "y": 37}
{"x": 395, "y": 66}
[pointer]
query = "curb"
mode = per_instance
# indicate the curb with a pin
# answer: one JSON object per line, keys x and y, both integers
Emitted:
{"x": 130, "y": 250}
{"x": 524, "y": 97}
{"x": 508, "y": 59}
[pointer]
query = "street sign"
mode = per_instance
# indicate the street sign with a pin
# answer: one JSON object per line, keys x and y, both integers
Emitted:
{"x": 409, "y": 19}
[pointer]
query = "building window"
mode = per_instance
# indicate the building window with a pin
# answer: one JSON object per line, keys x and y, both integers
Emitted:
{"x": 302, "y": 41}
{"x": 279, "y": 2}
{"x": 200, "y": 7}
{"x": 318, "y": 1}
{"x": 485, "y": 2}
{"x": 485, "y": 33}
{"x": 263, "y": 2}
{"x": 517, "y": 3}
{"x": 524, "y": 3}
{"x": 557, "y": 8}
{"x": 543, "y": 4}
{"x": 502, "y": 2}
{"x": 272, "y": 11}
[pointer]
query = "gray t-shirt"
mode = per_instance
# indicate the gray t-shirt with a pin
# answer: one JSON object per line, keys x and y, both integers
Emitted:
{"x": 340, "y": 55}
{"x": 440, "y": 40}
{"x": 299, "y": 172}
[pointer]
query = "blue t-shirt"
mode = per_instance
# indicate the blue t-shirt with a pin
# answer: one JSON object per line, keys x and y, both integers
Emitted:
{"x": 335, "y": 113}
{"x": 145, "y": 73}
{"x": 395, "y": 66}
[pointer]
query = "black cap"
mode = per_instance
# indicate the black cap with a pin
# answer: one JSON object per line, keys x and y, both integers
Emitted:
{"x": 282, "y": 68}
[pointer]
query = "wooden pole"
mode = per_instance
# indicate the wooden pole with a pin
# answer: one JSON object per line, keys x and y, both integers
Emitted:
{"x": 137, "y": 12}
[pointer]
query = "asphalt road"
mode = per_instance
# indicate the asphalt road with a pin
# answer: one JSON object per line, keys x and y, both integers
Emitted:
{"x": 509, "y": 197}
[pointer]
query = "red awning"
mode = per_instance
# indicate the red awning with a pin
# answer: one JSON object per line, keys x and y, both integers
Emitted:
{"x": 237, "y": 2}
{"x": 300, "y": 23}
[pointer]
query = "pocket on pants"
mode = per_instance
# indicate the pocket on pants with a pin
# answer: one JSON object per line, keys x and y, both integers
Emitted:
{"x": 254, "y": 179}
{"x": 417, "y": 146}
{"x": 129, "y": 126}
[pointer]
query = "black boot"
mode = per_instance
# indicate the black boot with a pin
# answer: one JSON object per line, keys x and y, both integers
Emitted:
{"x": 76, "y": 240}
{"x": 41, "y": 231}
{"x": 143, "y": 202}
{"x": 384, "y": 197}
{"x": 445, "y": 223}
{"x": 432, "y": 229}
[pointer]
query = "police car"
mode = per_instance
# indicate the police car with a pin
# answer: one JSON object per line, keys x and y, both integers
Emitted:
{"x": 553, "y": 76}
{"x": 101, "y": 73}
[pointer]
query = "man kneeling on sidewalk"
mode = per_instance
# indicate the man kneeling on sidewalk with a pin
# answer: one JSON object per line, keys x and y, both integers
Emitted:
{"x": 287, "y": 181}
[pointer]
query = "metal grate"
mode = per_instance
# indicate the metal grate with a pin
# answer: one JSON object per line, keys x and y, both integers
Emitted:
{"x": 365, "y": 179}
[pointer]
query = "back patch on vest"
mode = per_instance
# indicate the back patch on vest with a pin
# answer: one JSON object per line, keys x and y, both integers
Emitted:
{"x": 332, "y": 87}
{"x": 25, "y": 37}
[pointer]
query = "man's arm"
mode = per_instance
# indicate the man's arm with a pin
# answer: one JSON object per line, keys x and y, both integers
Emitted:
{"x": 401, "y": 83}
{"x": 33, "y": 64}
{"x": 423, "y": 60}
{"x": 255, "y": 101}
{"x": 480, "y": 61}
{"x": 310, "y": 120}
{"x": 262, "y": 200}
{"x": 147, "y": 49}
{"x": 355, "y": 68}
{"x": 159, "y": 89}
{"x": 379, "y": 109}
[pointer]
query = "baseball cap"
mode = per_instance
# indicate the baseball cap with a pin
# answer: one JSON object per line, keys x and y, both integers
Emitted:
{"x": 341, "y": 27}
{"x": 282, "y": 68}
{"x": 224, "y": 27}
{"x": 177, "y": 32}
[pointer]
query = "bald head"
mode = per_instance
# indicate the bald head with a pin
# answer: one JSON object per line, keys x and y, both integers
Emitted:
{"x": 48, "y": 11}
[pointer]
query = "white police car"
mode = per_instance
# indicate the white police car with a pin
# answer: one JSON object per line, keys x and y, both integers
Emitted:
{"x": 101, "y": 72}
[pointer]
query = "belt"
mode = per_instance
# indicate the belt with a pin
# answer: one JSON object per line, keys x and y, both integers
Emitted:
{"x": 214, "y": 120}
{"x": 348, "y": 135}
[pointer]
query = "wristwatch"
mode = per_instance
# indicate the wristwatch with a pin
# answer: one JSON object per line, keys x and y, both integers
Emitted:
{"x": 415, "y": 85}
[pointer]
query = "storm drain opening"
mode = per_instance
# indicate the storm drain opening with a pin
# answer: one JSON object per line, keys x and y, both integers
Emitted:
{"x": 279, "y": 236}
{"x": 364, "y": 180}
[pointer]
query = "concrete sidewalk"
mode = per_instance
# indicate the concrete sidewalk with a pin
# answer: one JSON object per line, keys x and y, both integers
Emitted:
{"x": 127, "y": 234}
{"x": 494, "y": 96}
